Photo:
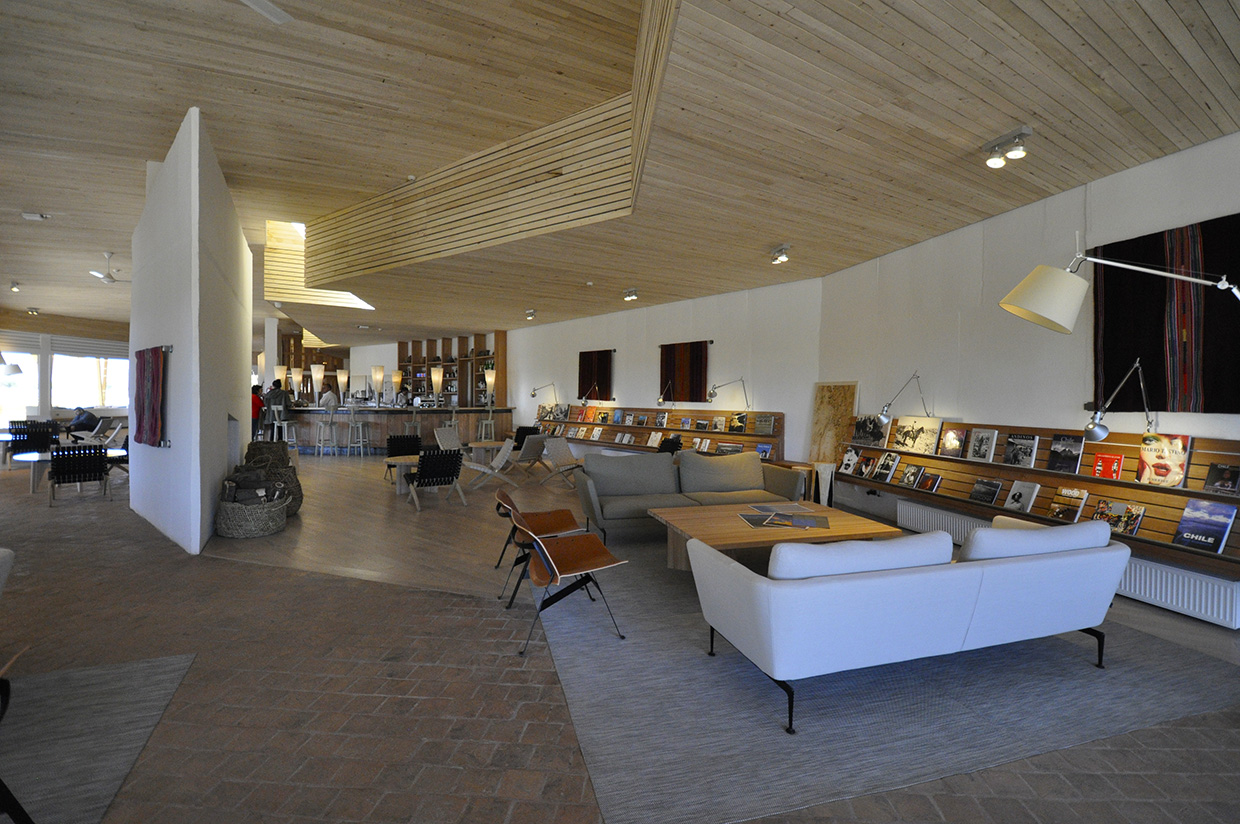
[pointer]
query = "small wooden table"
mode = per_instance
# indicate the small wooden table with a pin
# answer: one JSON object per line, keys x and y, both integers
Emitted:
{"x": 722, "y": 528}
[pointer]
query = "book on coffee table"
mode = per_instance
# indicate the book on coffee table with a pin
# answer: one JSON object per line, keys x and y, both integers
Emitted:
{"x": 798, "y": 521}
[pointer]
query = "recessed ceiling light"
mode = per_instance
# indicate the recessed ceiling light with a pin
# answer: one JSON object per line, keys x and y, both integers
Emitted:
{"x": 32, "y": 310}
{"x": 36, "y": 216}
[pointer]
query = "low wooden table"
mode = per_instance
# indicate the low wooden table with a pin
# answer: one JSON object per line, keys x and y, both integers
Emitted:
{"x": 721, "y": 527}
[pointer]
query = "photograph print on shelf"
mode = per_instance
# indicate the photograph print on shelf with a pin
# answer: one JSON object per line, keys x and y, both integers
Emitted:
{"x": 849, "y": 462}
{"x": 1205, "y": 525}
{"x": 917, "y": 434}
{"x": 1065, "y": 453}
{"x": 1020, "y": 449}
{"x": 870, "y": 431}
{"x": 1021, "y": 496}
{"x": 985, "y": 491}
{"x": 951, "y": 443}
{"x": 886, "y": 466}
{"x": 1223, "y": 479}
{"x": 865, "y": 466}
{"x": 982, "y": 445}
{"x": 1163, "y": 459}
{"x": 660, "y": 419}
{"x": 910, "y": 475}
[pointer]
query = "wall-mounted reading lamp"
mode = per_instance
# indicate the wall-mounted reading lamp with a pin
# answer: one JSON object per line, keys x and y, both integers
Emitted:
{"x": 885, "y": 418}
{"x": 554, "y": 395}
{"x": 1052, "y": 297}
{"x": 714, "y": 393}
{"x": 666, "y": 395}
{"x": 586, "y": 396}
{"x": 1096, "y": 430}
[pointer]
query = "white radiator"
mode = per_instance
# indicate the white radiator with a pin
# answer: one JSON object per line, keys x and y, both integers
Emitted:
{"x": 922, "y": 518}
{"x": 1180, "y": 590}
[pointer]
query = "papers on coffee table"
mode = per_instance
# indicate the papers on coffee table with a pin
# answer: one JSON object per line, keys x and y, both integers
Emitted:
{"x": 769, "y": 508}
{"x": 785, "y": 520}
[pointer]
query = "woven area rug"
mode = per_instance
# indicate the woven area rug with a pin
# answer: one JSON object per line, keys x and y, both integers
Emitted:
{"x": 71, "y": 737}
{"x": 672, "y": 735}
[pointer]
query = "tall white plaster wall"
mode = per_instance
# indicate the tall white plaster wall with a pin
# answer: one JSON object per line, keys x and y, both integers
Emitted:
{"x": 191, "y": 290}
{"x": 362, "y": 358}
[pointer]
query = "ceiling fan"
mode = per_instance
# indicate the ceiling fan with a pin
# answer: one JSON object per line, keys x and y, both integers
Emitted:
{"x": 269, "y": 10}
{"x": 109, "y": 275}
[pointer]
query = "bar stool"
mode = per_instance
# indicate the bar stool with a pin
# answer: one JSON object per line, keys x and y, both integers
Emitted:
{"x": 414, "y": 424}
{"x": 486, "y": 430}
{"x": 325, "y": 436}
{"x": 359, "y": 435}
{"x": 280, "y": 426}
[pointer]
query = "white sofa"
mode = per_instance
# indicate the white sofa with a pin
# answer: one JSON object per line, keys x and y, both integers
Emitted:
{"x": 831, "y": 607}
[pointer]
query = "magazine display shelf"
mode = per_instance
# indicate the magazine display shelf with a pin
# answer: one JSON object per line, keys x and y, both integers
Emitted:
{"x": 1163, "y": 505}
{"x": 749, "y": 440}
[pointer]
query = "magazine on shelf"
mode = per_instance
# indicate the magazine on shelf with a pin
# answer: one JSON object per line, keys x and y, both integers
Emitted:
{"x": 640, "y": 420}
{"x": 660, "y": 419}
{"x": 561, "y": 411}
{"x": 686, "y": 423}
{"x": 1123, "y": 516}
{"x": 579, "y": 413}
{"x": 628, "y": 437}
{"x": 1107, "y": 465}
{"x": 763, "y": 450}
{"x": 929, "y": 482}
{"x": 728, "y": 448}
{"x": 544, "y": 411}
{"x": 596, "y": 433}
{"x": 717, "y": 423}
{"x": 1020, "y": 449}
{"x": 603, "y": 416}
{"x": 591, "y": 413}
{"x": 764, "y": 424}
{"x": 1021, "y": 496}
{"x": 654, "y": 439}
{"x": 917, "y": 434}
{"x": 619, "y": 437}
{"x": 982, "y": 445}
{"x": 1205, "y": 525}
{"x": 628, "y": 418}
{"x": 1065, "y": 455}
{"x": 886, "y": 466}
{"x": 738, "y": 422}
{"x": 1067, "y": 504}
{"x": 910, "y": 475}
{"x": 870, "y": 431}
{"x": 701, "y": 424}
{"x": 985, "y": 490}
{"x": 559, "y": 430}
{"x": 951, "y": 442}
{"x": 865, "y": 466}
{"x": 851, "y": 455}
{"x": 617, "y": 416}
{"x": 704, "y": 446}
{"x": 1163, "y": 459}
{"x": 1223, "y": 479}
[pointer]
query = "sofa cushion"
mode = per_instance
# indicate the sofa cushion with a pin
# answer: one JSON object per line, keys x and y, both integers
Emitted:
{"x": 988, "y": 542}
{"x": 743, "y": 496}
{"x": 635, "y": 506}
{"x": 1008, "y": 522}
{"x": 653, "y": 473}
{"x": 720, "y": 473}
{"x": 789, "y": 561}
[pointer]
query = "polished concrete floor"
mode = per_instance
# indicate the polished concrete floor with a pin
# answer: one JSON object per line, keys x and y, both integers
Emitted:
{"x": 358, "y": 667}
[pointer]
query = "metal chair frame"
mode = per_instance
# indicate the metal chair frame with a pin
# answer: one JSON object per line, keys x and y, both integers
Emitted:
{"x": 550, "y": 523}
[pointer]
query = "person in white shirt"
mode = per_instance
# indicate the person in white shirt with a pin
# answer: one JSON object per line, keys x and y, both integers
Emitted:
{"x": 329, "y": 401}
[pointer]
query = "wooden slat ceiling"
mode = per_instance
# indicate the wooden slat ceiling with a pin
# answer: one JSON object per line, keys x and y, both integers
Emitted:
{"x": 846, "y": 129}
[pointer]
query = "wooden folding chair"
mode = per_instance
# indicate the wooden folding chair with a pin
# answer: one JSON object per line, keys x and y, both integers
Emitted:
{"x": 571, "y": 556}
{"x": 550, "y": 523}
{"x": 492, "y": 470}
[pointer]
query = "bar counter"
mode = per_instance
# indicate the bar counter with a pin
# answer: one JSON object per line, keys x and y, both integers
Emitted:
{"x": 388, "y": 420}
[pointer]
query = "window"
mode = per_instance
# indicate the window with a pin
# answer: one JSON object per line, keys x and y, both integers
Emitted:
{"x": 19, "y": 391}
{"x": 89, "y": 382}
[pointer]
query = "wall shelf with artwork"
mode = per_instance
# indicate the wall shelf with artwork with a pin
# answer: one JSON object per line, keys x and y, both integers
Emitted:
{"x": 1172, "y": 498}
{"x": 717, "y": 431}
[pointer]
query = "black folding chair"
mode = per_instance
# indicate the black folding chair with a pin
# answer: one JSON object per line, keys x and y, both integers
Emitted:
{"x": 77, "y": 464}
{"x": 436, "y": 468}
{"x": 398, "y": 445}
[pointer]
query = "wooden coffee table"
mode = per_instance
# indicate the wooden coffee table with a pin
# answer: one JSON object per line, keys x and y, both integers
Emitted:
{"x": 721, "y": 527}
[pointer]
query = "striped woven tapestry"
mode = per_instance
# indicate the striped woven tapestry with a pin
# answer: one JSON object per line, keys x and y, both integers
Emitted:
{"x": 1182, "y": 339}
{"x": 149, "y": 396}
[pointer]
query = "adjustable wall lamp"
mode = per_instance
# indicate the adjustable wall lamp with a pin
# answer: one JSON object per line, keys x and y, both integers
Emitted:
{"x": 554, "y": 395}
{"x": 1096, "y": 430}
{"x": 665, "y": 395}
{"x": 1052, "y": 297}
{"x": 586, "y": 396}
{"x": 715, "y": 387}
{"x": 885, "y": 418}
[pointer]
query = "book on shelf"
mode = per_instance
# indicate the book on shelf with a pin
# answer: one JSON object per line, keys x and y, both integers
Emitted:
{"x": 701, "y": 424}
{"x": 728, "y": 448}
{"x": 1108, "y": 465}
{"x": 763, "y": 450}
{"x": 1065, "y": 455}
{"x": 617, "y": 416}
{"x": 579, "y": 413}
{"x": 686, "y": 423}
{"x": 929, "y": 482}
{"x": 910, "y": 475}
{"x": 951, "y": 442}
{"x": 660, "y": 419}
{"x": 1123, "y": 516}
{"x": 591, "y": 413}
{"x": 1163, "y": 459}
{"x": 1021, "y": 496}
{"x": 603, "y": 416}
{"x": 738, "y": 421}
{"x": 1205, "y": 525}
{"x": 764, "y": 424}
{"x": 696, "y": 443}
{"x": 596, "y": 433}
{"x": 1067, "y": 503}
{"x": 628, "y": 418}
{"x": 885, "y": 467}
{"x": 619, "y": 437}
{"x": 640, "y": 420}
{"x": 869, "y": 430}
{"x": 985, "y": 491}
{"x": 654, "y": 438}
{"x": 628, "y": 437}
{"x": 851, "y": 455}
{"x": 717, "y": 423}
{"x": 982, "y": 445}
{"x": 1020, "y": 449}
{"x": 917, "y": 434}
{"x": 865, "y": 466}
{"x": 704, "y": 446}
{"x": 1223, "y": 479}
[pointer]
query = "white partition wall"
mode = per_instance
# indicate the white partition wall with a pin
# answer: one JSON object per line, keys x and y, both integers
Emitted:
{"x": 192, "y": 291}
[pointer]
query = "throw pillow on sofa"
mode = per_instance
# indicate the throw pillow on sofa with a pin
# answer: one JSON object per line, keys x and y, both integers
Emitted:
{"x": 794, "y": 561}
{"x": 720, "y": 473}
{"x": 988, "y": 542}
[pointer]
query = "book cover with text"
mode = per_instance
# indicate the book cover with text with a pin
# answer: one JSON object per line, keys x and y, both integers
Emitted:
{"x": 1205, "y": 525}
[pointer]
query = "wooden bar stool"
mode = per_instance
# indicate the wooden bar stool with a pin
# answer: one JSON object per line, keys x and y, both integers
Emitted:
{"x": 325, "y": 435}
{"x": 359, "y": 435}
{"x": 486, "y": 430}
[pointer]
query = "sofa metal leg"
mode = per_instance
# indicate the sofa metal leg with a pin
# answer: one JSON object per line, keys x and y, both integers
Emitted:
{"x": 786, "y": 687}
{"x": 1101, "y": 638}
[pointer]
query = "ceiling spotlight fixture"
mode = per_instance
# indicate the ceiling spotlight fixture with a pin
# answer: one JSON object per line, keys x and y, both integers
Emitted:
{"x": 529, "y": 314}
{"x": 13, "y": 287}
{"x": 630, "y": 294}
{"x": 32, "y": 310}
{"x": 36, "y": 216}
{"x": 1009, "y": 147}
{"x": 780, "y": 254}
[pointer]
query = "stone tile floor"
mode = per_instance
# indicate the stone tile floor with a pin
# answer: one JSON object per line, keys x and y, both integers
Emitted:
{"x": 315, "y": 698}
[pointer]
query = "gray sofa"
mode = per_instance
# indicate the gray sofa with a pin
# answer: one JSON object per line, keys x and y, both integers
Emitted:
{"x": 617, "y": 490}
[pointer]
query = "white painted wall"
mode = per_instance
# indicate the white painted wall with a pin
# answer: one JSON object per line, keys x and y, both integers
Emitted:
{"x": 361, "y": 358}
{"x": 932, "y": 308}
{"x": 191, "y": 290}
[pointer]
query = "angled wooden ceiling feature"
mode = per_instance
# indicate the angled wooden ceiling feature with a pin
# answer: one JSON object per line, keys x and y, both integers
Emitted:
{"x": 284, "y": 272}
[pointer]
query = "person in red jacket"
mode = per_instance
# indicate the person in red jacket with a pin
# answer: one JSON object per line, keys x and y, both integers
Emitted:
{"x": 256, "y": 411}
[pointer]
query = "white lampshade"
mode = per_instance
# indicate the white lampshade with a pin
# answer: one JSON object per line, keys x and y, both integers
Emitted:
{"x": 398, "y": 377}
{"x": 296, "y": 374}
{"x": 281, "y": 372}
{"x": 1049, "y": 297}
{"x": 342, "y": 382}
{"x": 489, "y": 374}
{"x": 436, "y": 379}
{"x": 376, "y": 377}
{"x": 316, "y": 377}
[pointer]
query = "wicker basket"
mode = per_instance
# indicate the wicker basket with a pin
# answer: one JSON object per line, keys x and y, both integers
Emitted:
{"x": 292, "y": 487}
{"x": 267, "y": 453}
{"x": 233, "y": 520}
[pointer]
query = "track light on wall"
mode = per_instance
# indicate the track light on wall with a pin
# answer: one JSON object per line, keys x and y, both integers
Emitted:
{"x": 630, "y": 294}
{"x": 780, "y": 254}
{"x": 554, "y": 395}
{"x": 714, "y": 391}
{"x": 1009, "y": 147}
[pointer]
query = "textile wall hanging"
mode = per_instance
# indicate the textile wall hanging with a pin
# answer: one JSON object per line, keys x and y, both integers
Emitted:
{"x": 149, "y": 396}
{"x": 682, "y": 371}
{"x": 594, "y": 375}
